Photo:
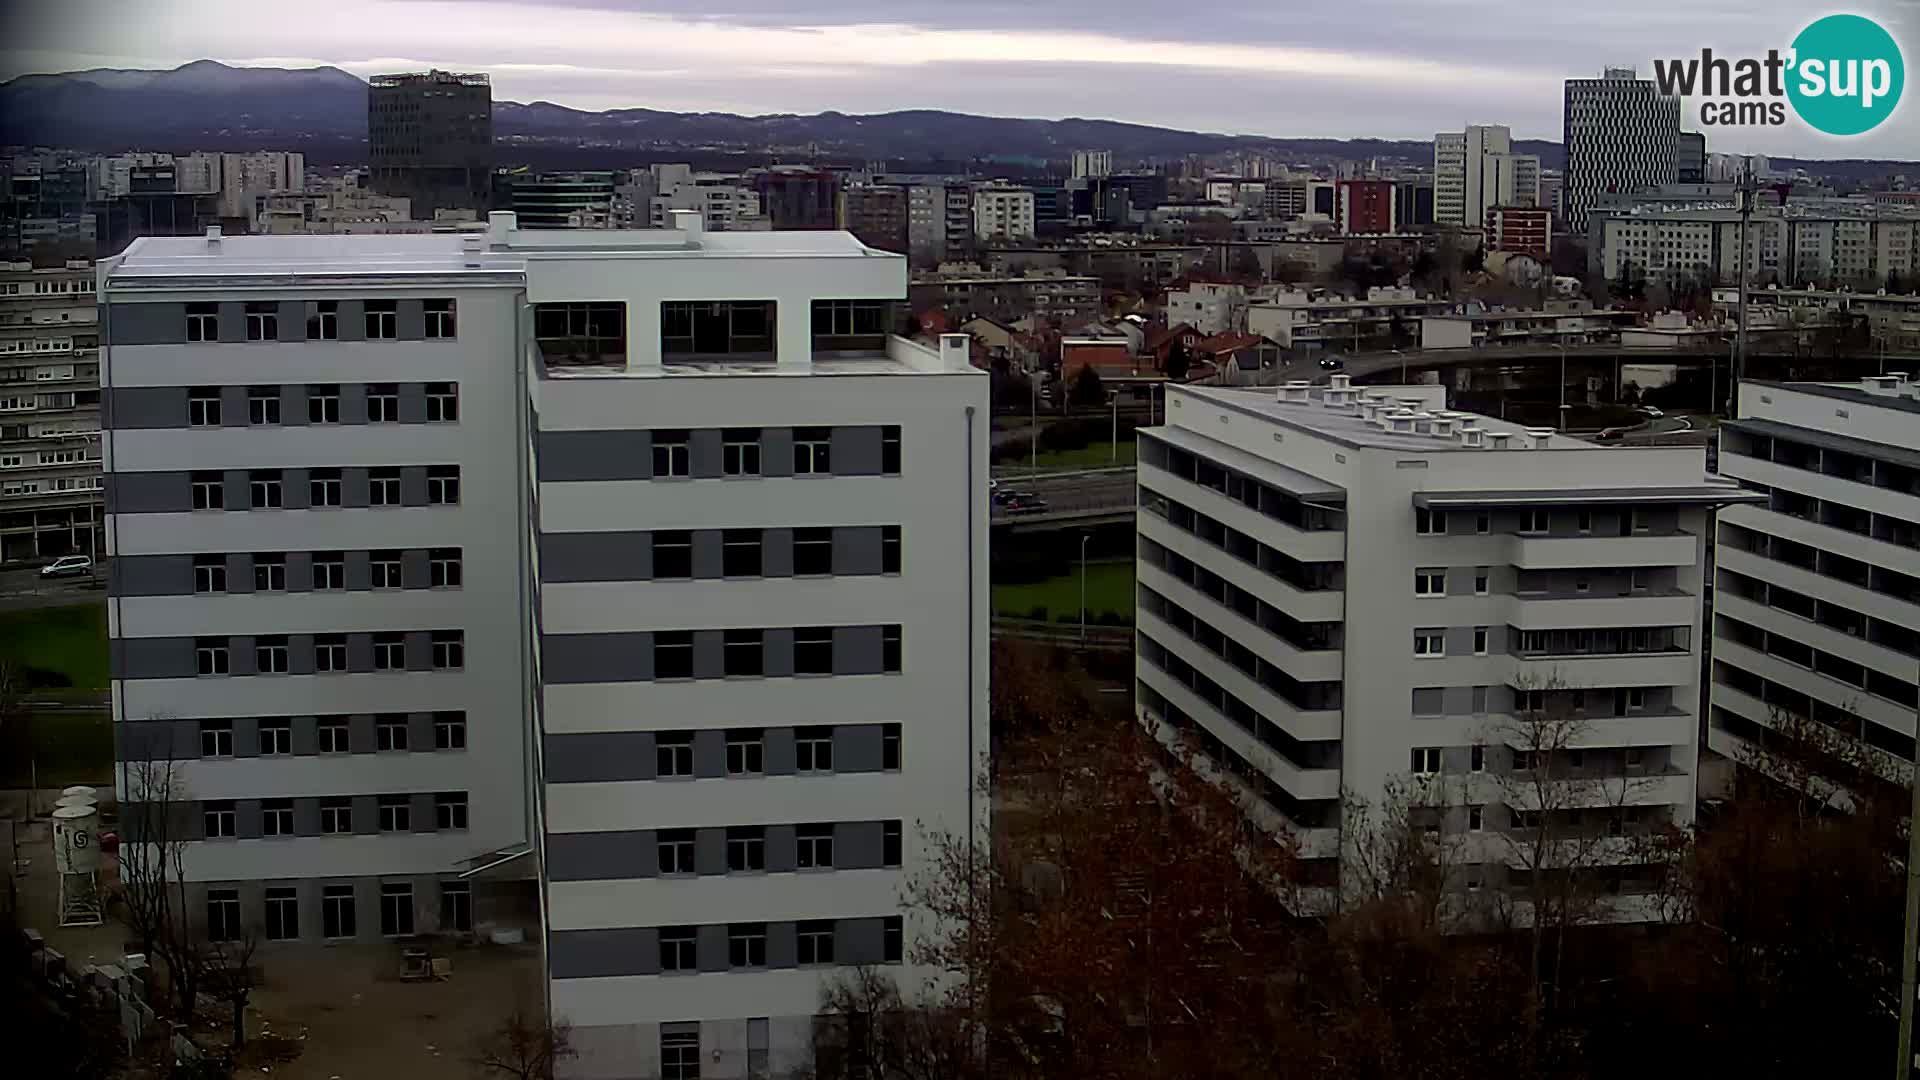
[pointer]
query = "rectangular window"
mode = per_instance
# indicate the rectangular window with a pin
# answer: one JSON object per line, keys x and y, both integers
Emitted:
{"x": 679, "y": 952}
{"x": 336, "y": 816}
{"x": 449, "y": 650}
{"x": 1534, "y": 521}
{"x": 743, "y": 653}
{"x": 223, "y": 914}
{"x": 1483, "y": 523}
{"x": 334, "y": 737}
{"x": 269, "y": 572}
{"x": 383, "y": 403}
{"x": 746, "y": 752}
{"x": 1583, "y": 522}
{"x": 323, "y": 404}
{"x": 673, "y": 654}
{"x": 329, "y": 571}
{"x": 456, "y": 907}
{"x": 1476, "y": 818}
{"x": 396, "y": 813}
{"x": 1429, "y": 643}
{"x": 209, "y": 574}
{"x": 324, "y": 488}
{"x": 220, "y": 819}
{"x": 330, "y": 653}
{"x": 890, "y": 449}
{"x": 1637, "y": 580}
{"x": 892, "y": 940}
{"x": 746, "y": 849}
{"x": 283, "y": 914}
{"x": 263, "y": 405}
{"x": 216, "y": 738}
{"x": 890, "y": 649}
{"x": 203, "y": 322}
{"x": 336, "y": 911}
{"x": 1480, "y": 581}
{"x": 815, "y": 847}
{"x": 680, "y": 1050}
{"x": 812, "y": 551}
{"x": 740, "y": 553}
{"x": 672, "y": 554}
{"x": 736, "y": 328}
{"x": 890, "y": 747}
{"x": 815, "y": 942}
{"x": 1635, "y": 757}
{"x": 747, "y": 945}
{"x": 323, "y": 320}
{"x": 209, "y": 491}
{"x": 671, "y": 453}
{"x": 263, "y": 489}
{"x": 1479, "y": 641}
{"x": 740, "y": 452}
{"x": 1478, "y": 759}
{"x": 1636, "y": 698}
{"x": 813, "y": 750}
{"x": 396, "y": 908}
{"x": 440, "y": 325}
{"x": 449, "y": 731}
{"x": 390, "y": 732}
{"x": 450, "y": 810}
{"x": 673, "y": 754}
{"x": 1426, "y": 760}
{"x": 813, "y": 650}
{"x": 811, "y": 451}
{"x": 443, "y": 403}
{"x": 382, "y": 319}
{"x": 443, "y": 568}
{"x": 276, "y": 736}
{"x": 676, "y": 851}
{"x": 210, "y": 656}
{"x": 1429, "y": 522}
{"x": 443, "y": 485}
{"x": 889, "y": 549}
{"x": 890, "y": 843}
{"x": 384, "y": 569}
{"x": 1429, "y": 583}
{"x": 203, "y": 406}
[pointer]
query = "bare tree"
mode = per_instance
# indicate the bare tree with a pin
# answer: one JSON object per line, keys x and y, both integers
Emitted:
{"x": 152, "y": 865}
{"x": 865, "y": 1030}
{"x": 524, "y": 1045}
{"x": 1407, "y": 853}
{"x": 228, "y": 974}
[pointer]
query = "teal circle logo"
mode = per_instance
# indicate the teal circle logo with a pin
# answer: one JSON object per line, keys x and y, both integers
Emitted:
{"x": 1847, "y": 75}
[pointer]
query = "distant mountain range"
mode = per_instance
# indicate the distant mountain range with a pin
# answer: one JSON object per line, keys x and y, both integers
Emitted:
{"x": 206, "y": 105}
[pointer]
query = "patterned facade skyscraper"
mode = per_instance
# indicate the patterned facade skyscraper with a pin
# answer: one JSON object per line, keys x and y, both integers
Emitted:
{"x": 1621, "y": 134}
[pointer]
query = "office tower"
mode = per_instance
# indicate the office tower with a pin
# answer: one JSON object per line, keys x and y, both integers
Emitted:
{"x": 430, "y": 139}
{"x": 1365, "y": 207}
{"x": 927, "y": 223}
{"x": 1690, "y": 166}
{"x": 1412, "y": 202}
{"x": 1476, "y": 169}
{"x": 1621, "y": 134}
{"x": 1816, "y": 606}
{"x": 876, "y": 215}
{"x": 1347, "y": 589}
{"x": 49, "y": 413}
{"x": 422, "y": 625}
{"x": 798, "y": 196}
{"x": 564, "y": 200}
{"x": 1092, "y": 163}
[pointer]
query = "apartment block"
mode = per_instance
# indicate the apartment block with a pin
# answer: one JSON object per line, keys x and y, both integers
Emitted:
{"x": 1002, "y": 213}
{"x": 1350, "y": 589}
{"x": 1816, "y": 604}
{"x": 562, "y": 581}
{"x": 1476, "y": 169}
{"x": 49, "y": 413}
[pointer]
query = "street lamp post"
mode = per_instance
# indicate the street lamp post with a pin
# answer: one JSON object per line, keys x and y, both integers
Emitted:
{"x": 1084, "y": 537}
{"x": 1563, "y": 379}
{"x": 1033, "y": 421}
{"x": 1114, "y": 456}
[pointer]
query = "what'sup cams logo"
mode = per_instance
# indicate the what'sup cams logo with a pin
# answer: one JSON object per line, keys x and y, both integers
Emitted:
{"x": 1842, "y": 75}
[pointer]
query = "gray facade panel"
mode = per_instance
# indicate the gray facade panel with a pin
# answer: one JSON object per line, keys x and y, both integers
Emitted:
{"x": 594, "y": 455}
{"x": 413, "y": 403}
{"x": 233, "y": 321}
{"x": 779, "y": 753}
{"x": 708, "y": 552}
{"x": 599, "y": 757}
{"x": 306, "y": 735}
{"x": 129, "y": 408}
{"x": 419, "y": 650}
{"x": 299, "y": 654}
{"x": 357, "y": 573}
{"x": 246, "y": 818}
{"x": 592, "y": 954}
{"x": 153, "y": 658}
{"x": 293, "y": 404}
{"x": 306, "y": 816}
{"x": 709, "y": 659}
{"x": 712, "y": 946}
{"x": 856, "y": 549}
{"x": 856, "y": 451}
{"x": 293, "y": 320}
{"x": 295, "y": 489}
{"x": 776, "y": 451}
{"x": 859, "y": 845}
{"x": 151, "y": 575}
{"x": 781, "y": 843}
{"x": 240, "y": 572}
{"x": 859, "y": 941}
{"x": 246, "y": 736}
{"x": 420, "y": 736}
{"x": 413, "y": 485}
{"x": 233, "y": 404}
{"x": 596, "y": 658}
{"x": 709, "y": 754}
{"x": 241, "y": 661}
{"x": 147, "y": 324}
{"x": 149, "y": 492}
{"x": 353, "y": 320}
{"x": 609, "y": 556}
{"x": 412, "y": 325}
{"x": 361, "y": 738}
{"x": 601, "y": 856}
{"x": 856, "y": 748}
{"x": 299, "y": 571}
{"x": 423, "y": 815}
{"x": 366, "y": 821}
{"x": 354, "y": 488}
{"x": 414, "y": 572}
{"x": 776, "y": 553}
{"x": 237, "y": 496}
{"x": 353, "y": 399}
{"x": 777, "y": 651}
{"x": 783, "y": 945}
{"x": 857, "y": 650}
{"x": 704, "y": 449}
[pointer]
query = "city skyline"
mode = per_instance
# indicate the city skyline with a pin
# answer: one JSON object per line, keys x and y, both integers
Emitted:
{"x": 1500, "y": 63}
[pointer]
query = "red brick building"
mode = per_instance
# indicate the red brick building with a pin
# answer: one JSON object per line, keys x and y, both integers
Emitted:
{"x": 1527, "y": 230}
{"x": 1364, "y": 207}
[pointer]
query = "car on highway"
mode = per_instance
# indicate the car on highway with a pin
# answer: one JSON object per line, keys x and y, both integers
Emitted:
{"x": 1333, "y": 363}
{"x": 67, "y": 566}
{"x": 1022, "y": 502}
{"x": 1648, "y": 410}
{"x": 1002, "y": 496}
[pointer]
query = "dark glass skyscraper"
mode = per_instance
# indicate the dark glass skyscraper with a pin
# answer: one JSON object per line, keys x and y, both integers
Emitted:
{"x": 430, "y": 138}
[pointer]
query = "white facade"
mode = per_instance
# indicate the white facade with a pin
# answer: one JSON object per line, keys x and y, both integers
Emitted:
{"x": 49, "y": 412}
{"x": 1209, "y": 307}
{"x": 1419, "y": 572}
{"x": 1621, "y": 134}
{"x": 1477, "y": 169}
{"x": 1815, "y": 245}
{"x": 708, "y": 549}
{"x": 1092, "y": 163}
{"x": 1817, "y": 599}
{"x": 1002, "y": 213}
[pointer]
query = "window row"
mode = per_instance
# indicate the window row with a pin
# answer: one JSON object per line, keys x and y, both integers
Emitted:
{"x": 321, "y": 488}
{"x": 1829, "y": 564}
{"x": 1842, "y": 516}
{"x": 1542, "y": 763}
{"x": 316, "y": 404}
{"x": 1834, "y": 616}
{"x": 1820, "y": 661}
{"x": 296, "y": 571}
{"x": 774, "y": 652}
{"x": 740, "y": 849}
{"x": 334, "y": 654}
{"x": 1307, "y": 576}
{"x": 325, "y": 320}
{"x": 746, "y": 751}
{"x": 1299, "y": 753}
{"x": 1780, "y": 699}
{"x": 1300, "y": 695}
{"x": 677, "y": 554}
{"x": 1546, "y": 521}
{"x": 1300, "y": 635}
{"x": 280, "y": 915}
{"x": 271, "y": 736}
{"x": 1585, "y": 703}
{"x": 1306, "y": 813}
{"x": 720, "y": 453}
{"x": 330, "y": 815}
{"x": 741, "y": 946}
{"x": 1253, "y": 494}
{"x": 718, "y": 753}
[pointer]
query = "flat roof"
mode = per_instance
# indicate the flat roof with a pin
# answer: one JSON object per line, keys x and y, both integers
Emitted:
{"x": 1899, "y": 455}
{"x": 1706, "y": 491}
{"x": 1291, "y": 481}
{"x": 1351, "y": 429}
{"x": 1845, "y": 392}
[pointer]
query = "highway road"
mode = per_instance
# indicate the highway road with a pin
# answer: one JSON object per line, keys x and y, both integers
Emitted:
{"x": 1073, "y": 492}
{"x": 20, "y": 589}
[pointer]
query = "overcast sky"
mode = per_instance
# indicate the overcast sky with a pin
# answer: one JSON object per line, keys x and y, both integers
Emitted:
{"x": 1343, "y": 68}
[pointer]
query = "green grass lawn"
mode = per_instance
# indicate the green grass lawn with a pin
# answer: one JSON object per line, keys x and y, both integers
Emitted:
{"x": 1109, "y": 589}
{"x": 70, "y": 748}
{"x": 69, "y": 640}
{"x": 1093, "y": 456}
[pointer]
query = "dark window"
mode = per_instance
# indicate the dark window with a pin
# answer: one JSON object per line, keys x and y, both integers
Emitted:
{"x": 813, "y": 749}
{"x": 396, "y": 908}
{"x": 815, "y": 942}
{"x": 673, "y": 754}
{"x": 334, "y": 735}
{"x": 336, "y": 817}
{"x": 890, "y": 842}
{"x": 890, "y": 649}
{"x": 263, "y": 489}
{"x": 672, "y": 554}
{"x": 449, "y": 731}
{"x": 443, "y": 402}
{"x": 209, "y": 491}
{"x": 679, "y": 952}
{"x": 324, "y": 487}
{"x": 440, "y": 323}
{"x": 276, "y": 735}
{"x": 203, "y": 322}
{"x": 220, "y": 819}
{"x": 203, "y": 406}
{"x": 384, "y": 567}
{"x": 449, "y": 650}
{"x": 263, "y": 405}
{"x": 283, "y": 914}
{"x": 456, "y": 906}
{"x": 269, "y": 572}
{"x": 443, "y": 568}
{"x": 383, "y": 403}
{"x": 216, "y": 738}
{"x": 210, "y": 656}
{"x": 892, "y": 940}
{"x": 580, "y": 333}
{"x": 323, "y": 404}
{"x": 671, "y": 453}
{"x": 450, "y": 810}
{"x": 890, "y": 449}
{"x": 209, "y": 573}
{"x": 716, "y": 327}
{"x": 396, "y": 813}
{"x": 390, "y": 731}
{"x": 812, "y": 450}
{"x": 336, "y": 911}
{"x": 323, "y": 320}
{"x": 747, "y": 945}
{"x": 890, "y": 746}
{"x": 382, "y": 319}
{"x": 746, "y": 750}
{"x": 740, "y": 452}
{"x": 812, "y": 551}
{"x": 862, "y": 320}
{"x": 746, "y": 849}
{"x": 740, "y": 553}
{"x": 813, "y": 650}
{"x": 443, "y": 485}
{"x": 814, "y": 847}
{"x": 263, "y": 320}
{"x": 676, "y": 851}
{"x": 889, "y": 549}
{"x": 383, "y": 487}
{"x": 673, "y": 654}
{"x": 743, "y": 652}
{"x": 223, "y": 914}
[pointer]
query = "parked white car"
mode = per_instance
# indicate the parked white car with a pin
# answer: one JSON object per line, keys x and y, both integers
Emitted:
{"x": 68, "y": 566}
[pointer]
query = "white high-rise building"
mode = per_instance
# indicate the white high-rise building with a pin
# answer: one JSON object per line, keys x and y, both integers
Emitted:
{"x": 1341, "y": 591}
{"x": 573, "y": 581}
{"x": 1092, "y": 163}
{"x": 1002, "y": 213}
{"x": 1816, "y": 602}
{"x": 1621, "y": 134}
{"x": 1477, "y": 169}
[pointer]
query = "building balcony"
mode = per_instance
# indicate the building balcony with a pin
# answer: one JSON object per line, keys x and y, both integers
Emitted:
{"x": 1552, "y": 612}
{"x": 1895, "y": 716}
{"x": 1307, "y": 665}
{"x": 1305, "y": 605}
{"x": 1678, "y": 548}
{"x": 1841, "y": 643}
{"x": 1859, "y": 598}
{"x": 1652, "y": 727}
{"x": 1305, "y": 545}
{"x": 1305, "y": 784}
{"x": 1676, "y": 668}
